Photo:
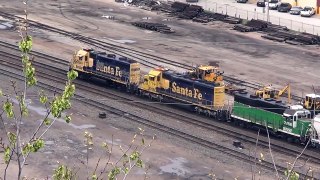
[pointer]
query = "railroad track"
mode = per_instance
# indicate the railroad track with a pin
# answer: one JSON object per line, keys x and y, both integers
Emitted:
{"x": 151, "y": 124}
{"x": 146, "y": 59}
{"x": 45, "y": 68}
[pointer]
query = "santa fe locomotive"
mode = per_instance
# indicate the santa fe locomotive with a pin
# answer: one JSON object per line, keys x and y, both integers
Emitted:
{"x": 203, "y": 90}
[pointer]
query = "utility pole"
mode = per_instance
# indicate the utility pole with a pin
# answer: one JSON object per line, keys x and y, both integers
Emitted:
{"x": 266, "y": 2}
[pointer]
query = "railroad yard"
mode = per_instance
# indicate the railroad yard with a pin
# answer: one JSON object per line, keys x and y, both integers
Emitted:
{"x": 187, "y": 146}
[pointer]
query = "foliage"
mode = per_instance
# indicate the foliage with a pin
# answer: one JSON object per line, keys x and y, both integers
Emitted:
{"x": 131, "y": 158}
{"x": 19, "y": 146}
{"x": 63, "y": 173}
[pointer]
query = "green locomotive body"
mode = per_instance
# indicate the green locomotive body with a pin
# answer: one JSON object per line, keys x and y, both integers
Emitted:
{"x": 292, "y": 123}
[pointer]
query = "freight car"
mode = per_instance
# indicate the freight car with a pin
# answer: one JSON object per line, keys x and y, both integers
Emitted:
{"x": 203, "y": 91}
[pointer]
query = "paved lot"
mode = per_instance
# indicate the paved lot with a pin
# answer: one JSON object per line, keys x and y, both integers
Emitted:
{"x": 251, "y": 11}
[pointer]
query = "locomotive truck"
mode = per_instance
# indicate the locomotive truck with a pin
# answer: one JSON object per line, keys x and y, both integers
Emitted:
{"x": 203, "y": 90}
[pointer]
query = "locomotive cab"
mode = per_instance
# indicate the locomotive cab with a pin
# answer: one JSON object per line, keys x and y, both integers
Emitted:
{"x": 316, "y": 126}
{"x": 207, "y": 73}
{"x": 152, "y": 80}
{"x": 312, "y": 101}
{"x": 293, "y": 115}
{"x": 81, "y": 59}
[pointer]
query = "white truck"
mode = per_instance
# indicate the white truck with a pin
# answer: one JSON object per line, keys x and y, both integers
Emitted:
{"x": 273, "y": 4}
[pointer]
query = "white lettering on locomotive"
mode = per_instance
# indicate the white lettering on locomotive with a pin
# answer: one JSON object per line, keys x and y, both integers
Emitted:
{"x": 193, "y": 93}
{"x": 115, "y": 71}
{"x": 288, "y": 123}
{"x": 287, "y": 129}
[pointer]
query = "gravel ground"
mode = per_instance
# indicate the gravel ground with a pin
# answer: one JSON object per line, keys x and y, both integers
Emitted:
{"x": 246, "y": 56}
{"x": 168, "y": 157}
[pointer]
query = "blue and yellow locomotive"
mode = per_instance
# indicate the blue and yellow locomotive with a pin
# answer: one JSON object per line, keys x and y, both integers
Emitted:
{"x": 202, "y": 88}
{"x": 112, "y": 68}
{"x": 201, "y": 95}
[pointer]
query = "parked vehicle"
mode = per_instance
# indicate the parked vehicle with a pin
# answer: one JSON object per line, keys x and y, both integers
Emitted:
{"x": 308, "y": 11}
{"x": 273, "y": 4}
{"x": 296, "y": 10}
{"x": 261, "y": 3}
{"x": 284, "y": 7}
{"x": 242, "y": 1}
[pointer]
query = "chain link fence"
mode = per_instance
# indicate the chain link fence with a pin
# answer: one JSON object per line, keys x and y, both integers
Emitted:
{"x": 246, "y": 14}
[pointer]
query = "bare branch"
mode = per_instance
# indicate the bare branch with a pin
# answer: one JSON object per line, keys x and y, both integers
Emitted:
{"x": 295, "y": 161}
{"x": 109, "y": 157}
{"x": 255, "y": 155}
{"x": 274, "y": 164}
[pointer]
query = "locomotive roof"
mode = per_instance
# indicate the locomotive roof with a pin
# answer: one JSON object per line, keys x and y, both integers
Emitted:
{"x": 292, "y": 112}
{"x": 205, "y": 68}
{"x": 81, "y": 53}
{"x": 185, "y": 77}
{"x": 313, "y": 95}
{"x": 269, "y": 101}
{"x": 114, "y": 56}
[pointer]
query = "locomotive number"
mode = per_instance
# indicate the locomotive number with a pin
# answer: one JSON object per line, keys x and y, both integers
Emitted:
{"x": 287, "y": 129}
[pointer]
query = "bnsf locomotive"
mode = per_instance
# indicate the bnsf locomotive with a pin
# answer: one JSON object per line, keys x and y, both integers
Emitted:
{"x": 203, "y": 90}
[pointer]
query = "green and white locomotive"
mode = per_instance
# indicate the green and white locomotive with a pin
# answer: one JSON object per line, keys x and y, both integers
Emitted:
{"x": 289, "y": 122}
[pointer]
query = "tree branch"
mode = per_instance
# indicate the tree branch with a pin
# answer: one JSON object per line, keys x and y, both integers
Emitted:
{"x": 295, "y": 161}
{"x": 274, "y": 164}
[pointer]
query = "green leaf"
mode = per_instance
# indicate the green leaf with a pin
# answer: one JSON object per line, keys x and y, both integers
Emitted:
{"x": 12, "y": 138}
{"x": 63, "y": 173}
{"x": 25, "y": 45}
{"x": 8, "y": 108}
{"x": 47, "y": 121}
{"x": 23, "y": 106}
{"x": 126, "y": 170}
{"x": 43, "y": 99}
{"x": 38, "y": 144}
{"x": 134, "y": 156}
{"x": 139, "y": 163}
{"x": 7, "y": 155}
{"x": 94, "y": 177}
{"x": 1, "y": 93}
{"x": 113, "y": 173}
{"x": 72, "y": 75}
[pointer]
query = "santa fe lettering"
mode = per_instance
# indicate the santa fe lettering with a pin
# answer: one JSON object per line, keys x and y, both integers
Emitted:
{"x": 110, "y": 70}
{"x": 193, "y": 93}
